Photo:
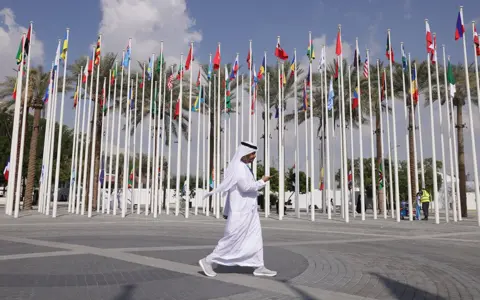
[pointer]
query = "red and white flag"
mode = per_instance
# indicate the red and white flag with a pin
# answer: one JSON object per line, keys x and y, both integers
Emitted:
{"x": 6, "y": 171}
{"x": 170, "y": 82}
{"x": 365, "y": 68}
{"x": 430, "y": 46}
{"x": 476, "y": 41}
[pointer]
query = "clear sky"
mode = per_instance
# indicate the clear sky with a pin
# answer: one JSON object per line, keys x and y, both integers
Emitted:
{"x": 233, "y": 23}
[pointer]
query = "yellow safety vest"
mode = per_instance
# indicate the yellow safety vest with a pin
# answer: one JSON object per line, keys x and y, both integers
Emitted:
{"x": 425, "y": 197}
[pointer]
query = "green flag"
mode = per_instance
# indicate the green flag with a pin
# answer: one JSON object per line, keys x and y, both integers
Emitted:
{"x": 19, "y": 52}
{"x": 451, "y": 80}
{"x": 159, "y": 62}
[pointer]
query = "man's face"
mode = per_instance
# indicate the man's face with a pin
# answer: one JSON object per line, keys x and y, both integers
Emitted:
{"x": 249, "y": 158}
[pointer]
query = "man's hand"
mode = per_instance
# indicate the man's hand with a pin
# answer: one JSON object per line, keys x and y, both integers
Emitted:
{"x": 266, "y": 178}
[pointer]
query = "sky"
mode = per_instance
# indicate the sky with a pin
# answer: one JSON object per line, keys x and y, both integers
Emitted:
{"x": 179, "y": 22}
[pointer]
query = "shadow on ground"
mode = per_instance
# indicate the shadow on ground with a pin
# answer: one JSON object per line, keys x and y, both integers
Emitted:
{"x": 126, "y": 292}
{"x": 402, "y": 290}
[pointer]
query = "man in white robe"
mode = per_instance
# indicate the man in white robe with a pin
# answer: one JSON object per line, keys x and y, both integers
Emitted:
{"x": 242, "y": 243}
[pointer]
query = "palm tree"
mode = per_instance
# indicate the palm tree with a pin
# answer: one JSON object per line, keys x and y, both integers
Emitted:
{"x": 37, "y": 86}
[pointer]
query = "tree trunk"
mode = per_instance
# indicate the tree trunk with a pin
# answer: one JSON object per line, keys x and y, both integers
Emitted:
{"x": 32, "y": 160}
{"x": 98, "y": 146}
{"x": 380, "y": 192}
{"x": 413, "y": 159}
{"x": 13, "y": 181}
{"x": 461, "y": 161}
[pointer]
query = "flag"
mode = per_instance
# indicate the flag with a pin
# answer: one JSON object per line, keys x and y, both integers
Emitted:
{"x": 64, "y": 48}
{"x": 130, "y": 179}
{"x": 336, "y": 68}
{"x": 305, "y": 97}
{"x": 459, "y": 29}
{"x": 280, "y": 53}
{"x": 322, "y": 63}
{"x": 189, "y": 59}
{"x": 75, "y": 98}
{"x": 356, "y": 59}
{"x": 254, "y": 100}
{"x": 321, "y": 179}
{"x": 227, "y": 91}
{"x": 365, "y": 68}
{"x": 356, "y": 92}
{"x": 254, "y": 77}
{"x": 282, "y": 77}
{"x": 216, "y": 59}
{"x": 6, "y": 170}
{"x": 200, "y": 98}
{"x": 383, "y": 85}
{"x": 150, "y": 69}
{"x": 389, "y": 51}
{"x": 90, "y": 65}
{"x": 210, "y": 70}
{"x": 19, "y": 53}
{"x": 180, "y": 72}
{"x": 114, "y": 75}
{"x": 451, "y": 80}
{"x": 261, "y": 71}
{"x": 476, "y": 41}
{"x": 14, "y": 94}
{"x": 292, "y": 67}
{"x": 85, "y": 72}
{"x": 126, "y": 57}
{"x": 177, "y": 110}
{"x": 404, "y": 59}
{"x": 414, "y": 85}
{"x": 160, "y": 62}
{"x": 350, "y": 179}
{"x": 331, "y": 95}
{"x": 433, "y": 57}
{"x": 308, "y": 77}
{"x": 97, "y": 51}
{"x": 103, "y": 101}
{"x": 170, "y": 82}
{"x": 102, "y": 173}
{"x": 277, "y": 112}
{"x": 380, "y": 177}
{"x": 249, "y": 58}
{"x": 28, "y": 39}
{"x": 198, "y": 78}
{"x": 235, "y": 67}
{"x": 338, "y": 48}
{"x": 429, "y": 39}
{"x": 310, "y": 51}
{"x": 141, "y": 80}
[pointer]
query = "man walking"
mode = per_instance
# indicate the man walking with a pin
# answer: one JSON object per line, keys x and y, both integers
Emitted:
{"x": 425, "y": 200}
{"x": 242, "y": 243}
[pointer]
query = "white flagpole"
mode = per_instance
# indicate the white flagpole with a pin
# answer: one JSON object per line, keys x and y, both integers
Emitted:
{"x": 225, "y": 132}
{"x": 206, "y": 136}
{"x": 162, "y": 171}
{"x": 169, "y": 168}
{"x": 472, "y": 131}
{"x": 266, "y": 163}
{"x": 112, "y": 133}
{"x": 307, "y": 196}
{"x": 79, "y": 181}
{"x": 140, "y": 184}
{"x": 73, "y": 167}
{"x": 133, "y": 199}
{"x": 395, "y": 154}
{"x": 344, "y": 183}
{"x": 116, "y": 195}
{"x": 52, "y": 133}
{"x": 199, "y": 112}
{"x": 352, "y": 154}
{"x": 381, "y": 164}
{"x": 150, "y": 138}
{"x": 179, "y": 145}
{"x": 449, "y": 129}
{"x": 297, "y": 149}
{"x": 422, "y": 165}
{"x": 15, "y": 129}
{"x": 159, "y": 159}
{"x": 372, "y": 153}
{"x": 412, "y": 111}
{"x": 389, "y": 145}
{"x": 126, "y": 162}
{"x": 217, "y": 168}
{"x": 19, "y": 176}
{"x": 215, "y": 144}
{"x": 250, "y": 93}
{"x": 405, "y": 111}
{"x": 360, "y": 119}
{"x": 432, "y": 128}
{"x": 442, "y": 141}
{"x": 241, "y": 112}
{"x": 327, "y": 146}
{"x": 236, "y": 110}
{"x": 105, "y": 137}
{"x": 94, "y": 140}
{"x": 189, "y": 138}
{"x": 280, "y": 83}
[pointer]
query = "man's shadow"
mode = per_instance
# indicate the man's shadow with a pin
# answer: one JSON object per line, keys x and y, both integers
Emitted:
{"x": 126, "y": 293}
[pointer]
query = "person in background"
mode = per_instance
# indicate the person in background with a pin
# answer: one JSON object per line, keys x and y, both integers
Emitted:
{"x": 418, "y": 206}
{"x": 425, "y": 199}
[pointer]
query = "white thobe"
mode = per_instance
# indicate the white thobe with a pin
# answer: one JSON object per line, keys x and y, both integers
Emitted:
{"x": 242, "y": 243}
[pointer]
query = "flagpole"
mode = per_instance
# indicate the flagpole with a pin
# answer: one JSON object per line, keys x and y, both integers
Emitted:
{"x": 179, "y": 145}
{"x": 372, "y": 153}
{"x": 236, "y": 111}
{"x": 296, "y": 159}
{"x": 352, "y": 155}
{"x": 197, "y": 173}
{"x": 15, "y": 128}
{"x": 360, "y": 118}
{"x": 250, "y": 93}
{"x": 381, "y": 163}
{"x": 41, "y": 200}
{"x": 110, "y": 165}
{"x": 206, "y": 167}
{"x": 422, "y": 165}
{"x": 75, "y": 148}
{"x": 472, "y": 131}
{"x": 187, "y": 194}
{"x": 126, "y": 162}
{"x": 449, "y": 130}
{"x": 218, "y": 113}
{"x": 152, "y": 112}
{"x": 432, "y": 128}
{"x": 78, "y": 194}
{"x": 162, "y": 146}
{"x": 105, "y": 136}
{"x": 133, "y": 199}
{"x": 307, "y": 167}
{"x": 140, "y": 185}
{"x": 117, "y": 158}
{"x": 412, "y": 112}
{"x": 266, "y": 204}
{"x": 405, "y": 115}
{"x": 280, "y": 198}
{"x": 52, "y": 133}
{"x": 476, "y": 63}
{"x": 225, "y": 131}
{"x": 159, "y": 160}
{"x": 170, "y": 125}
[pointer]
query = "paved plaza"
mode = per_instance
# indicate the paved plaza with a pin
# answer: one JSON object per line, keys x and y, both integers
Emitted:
{"x": 138, "y": 257}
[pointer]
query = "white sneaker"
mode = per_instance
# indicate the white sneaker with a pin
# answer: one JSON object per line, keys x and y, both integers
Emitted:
{"x": 262, "y": 271}
{"x": 207, "y": 268}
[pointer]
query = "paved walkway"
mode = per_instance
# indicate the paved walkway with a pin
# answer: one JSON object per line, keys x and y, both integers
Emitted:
{"x": 107, "y": 257}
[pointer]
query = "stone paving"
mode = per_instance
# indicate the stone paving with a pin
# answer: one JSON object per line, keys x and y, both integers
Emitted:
{"x": 139, "y": 257}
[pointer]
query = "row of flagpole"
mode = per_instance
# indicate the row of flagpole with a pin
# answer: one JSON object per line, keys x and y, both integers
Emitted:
{"x": 78, "y": 194}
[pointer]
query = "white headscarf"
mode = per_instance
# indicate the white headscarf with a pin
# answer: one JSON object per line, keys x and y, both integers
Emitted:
{"x": 229, "y": 178}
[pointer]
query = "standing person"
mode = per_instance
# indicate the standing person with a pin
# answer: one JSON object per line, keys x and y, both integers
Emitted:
{"x": 242, "y": 243}
{"x": 425, "y": 200}
{"x": 419, "y": 206}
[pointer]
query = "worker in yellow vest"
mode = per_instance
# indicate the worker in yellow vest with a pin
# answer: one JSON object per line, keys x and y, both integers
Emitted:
{"x": 425, "y": 199}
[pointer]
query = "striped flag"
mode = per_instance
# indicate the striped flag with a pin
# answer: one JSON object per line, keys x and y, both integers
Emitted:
{"x": 365, "y": 68}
